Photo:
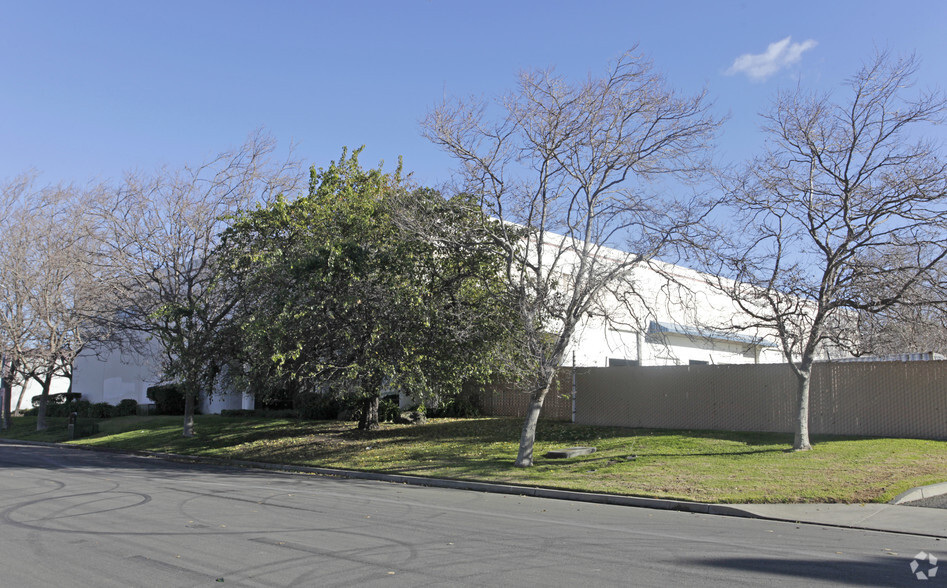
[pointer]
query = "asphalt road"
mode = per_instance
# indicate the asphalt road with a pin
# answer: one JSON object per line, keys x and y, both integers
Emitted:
{"x": 932, "y": 502}
{"x": 79, "y": 518}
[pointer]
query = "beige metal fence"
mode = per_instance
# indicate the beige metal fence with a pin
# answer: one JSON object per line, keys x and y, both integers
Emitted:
{"x": 889, "y": 399}
{"x": 505, "y": 400}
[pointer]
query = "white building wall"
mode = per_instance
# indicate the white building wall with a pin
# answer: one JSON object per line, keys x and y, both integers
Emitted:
{"x": 113, "y": 376}
{"x": 674, "y": 296}
{"x": 219, "y": 402}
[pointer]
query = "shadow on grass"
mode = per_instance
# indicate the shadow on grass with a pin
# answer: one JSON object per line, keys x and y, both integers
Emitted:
{"x": 482, "y": 429}
{"x": 645, "y": 455}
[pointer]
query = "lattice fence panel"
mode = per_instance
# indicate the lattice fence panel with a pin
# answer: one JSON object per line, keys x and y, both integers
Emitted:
{"x": 878, "y": 399}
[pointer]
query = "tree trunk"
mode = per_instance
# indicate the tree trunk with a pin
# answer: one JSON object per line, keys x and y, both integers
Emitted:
{"x": 43, "y": 402}
{"x": 19, "y": 399}
{"x": 6, "y": 387}
{"x": 5, "y": 414}
{"x": 801, "y": 442}
{"x": 524, "y": 458}
{"x": 369, "y": 419}
{"x": 189, "y": 402}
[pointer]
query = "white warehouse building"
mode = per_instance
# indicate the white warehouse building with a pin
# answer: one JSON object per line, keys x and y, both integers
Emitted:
{"x": 665, "y": 327}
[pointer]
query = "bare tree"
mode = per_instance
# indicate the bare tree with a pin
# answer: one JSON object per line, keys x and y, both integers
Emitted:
{"x": 50, "y": 291}
{"x": 161, "y": 230}
{"x": 566, "y": 168}
{"x": 843, "y": 216}
{"x": 13, "y": 334}
{"x": 917, "y": 324}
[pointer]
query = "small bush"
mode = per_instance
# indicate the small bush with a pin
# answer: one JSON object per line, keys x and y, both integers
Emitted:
{"x": 283, "y": 413}
{"x": 316, "y": 406}
{"x": 58, "y": 410}
{"x": 168, "y": 399}
{"x": 101, "y": 410}
{"x": 462, "y": 406}
{"x": 237, "y": 412}
{"x": 286, "y": 413}
{"x": 126, "y": 407}
{"x": 59, "y": 405}
{"x": 279, "y": 400}
{"x": 388, "y": 409}
{"x": 83, "y": 409}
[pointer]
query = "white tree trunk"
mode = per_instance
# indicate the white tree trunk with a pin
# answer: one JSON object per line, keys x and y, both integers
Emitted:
{"x": 189, "y": 402}
{"x": 801, "y": 442}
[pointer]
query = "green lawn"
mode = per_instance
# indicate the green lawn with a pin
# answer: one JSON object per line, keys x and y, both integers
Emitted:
{"x": 703, "y": 466}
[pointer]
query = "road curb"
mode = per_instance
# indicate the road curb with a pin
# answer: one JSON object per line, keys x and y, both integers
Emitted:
{"x": 497, "y": 488}
{"x": 492, "y": 487}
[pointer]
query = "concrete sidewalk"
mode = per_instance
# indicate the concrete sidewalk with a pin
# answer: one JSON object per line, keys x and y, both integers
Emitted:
{"x": 892, "y": 518}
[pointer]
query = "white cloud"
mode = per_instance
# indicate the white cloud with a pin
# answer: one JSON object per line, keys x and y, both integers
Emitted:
{"x": 777, "y": 56}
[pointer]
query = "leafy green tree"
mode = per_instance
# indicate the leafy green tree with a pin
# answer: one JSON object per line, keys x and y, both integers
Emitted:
{"x": 341, "y": 289}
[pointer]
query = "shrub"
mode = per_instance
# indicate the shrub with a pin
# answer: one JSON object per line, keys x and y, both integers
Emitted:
{"x": 83, "y": 408}
{"x": 101, "y": 410}
{"x": 127, "y": 407}
{"x": 237, "y": 412}
{"x": 461, "y": 406}
{"x": 168, "y": 399}
{"x": 317, "y": 406}
{"x": 283, "y": 413}
{"x": 59, "y": 410}
{"x": 278, "y": 400}
{"x": 388, "y": 409}
{"x": 58, "y": 405}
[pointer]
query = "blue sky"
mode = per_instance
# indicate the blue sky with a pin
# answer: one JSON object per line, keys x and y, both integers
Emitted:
{"x": 91, "y": 88}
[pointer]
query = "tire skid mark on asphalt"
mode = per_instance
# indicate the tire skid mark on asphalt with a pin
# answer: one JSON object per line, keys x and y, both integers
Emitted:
{"x": 108, "y": 495}
{"x": 184, "y": 510}
{"x": 57, "y": 485}
{"x": 198, "y": 495}
{"x": 259, "y": 574}
{"x": 360, "y": 556}
{"x": 527, "y": 520}
{"x": 157, "y": 563}
{"x": 7, "y": 514}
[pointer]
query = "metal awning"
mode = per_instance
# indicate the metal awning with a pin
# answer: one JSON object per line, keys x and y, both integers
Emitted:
{"x": 659, "y": 328}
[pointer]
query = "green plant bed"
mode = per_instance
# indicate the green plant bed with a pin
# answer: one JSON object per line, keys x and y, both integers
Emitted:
{"x": 704, "y": 466}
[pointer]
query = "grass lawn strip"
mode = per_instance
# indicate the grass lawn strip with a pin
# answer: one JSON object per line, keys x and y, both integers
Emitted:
{"x": 704, "y": 466}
